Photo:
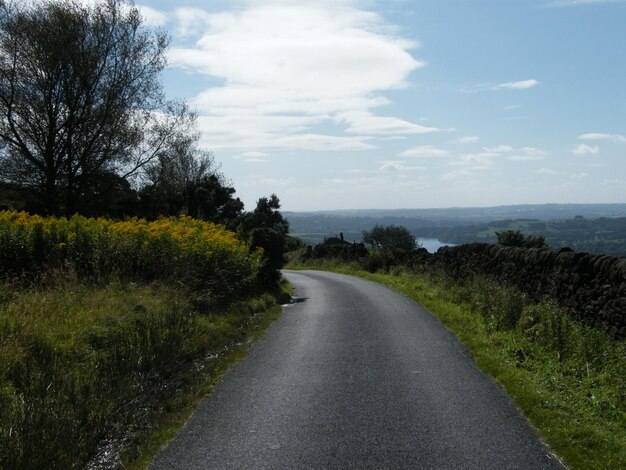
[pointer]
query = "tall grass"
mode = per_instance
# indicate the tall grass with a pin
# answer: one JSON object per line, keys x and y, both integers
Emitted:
{"x": 97, "y": 320}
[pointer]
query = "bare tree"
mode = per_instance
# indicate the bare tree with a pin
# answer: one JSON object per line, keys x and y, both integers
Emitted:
{"x": 80, "y": 97}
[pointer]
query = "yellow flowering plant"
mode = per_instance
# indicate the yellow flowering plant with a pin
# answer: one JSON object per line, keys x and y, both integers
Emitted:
{"x": 201, "y": 255}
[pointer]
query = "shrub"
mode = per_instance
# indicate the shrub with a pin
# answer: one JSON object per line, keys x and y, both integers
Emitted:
{"x": 201, "y": 255}
{"x": 517, "y": 238}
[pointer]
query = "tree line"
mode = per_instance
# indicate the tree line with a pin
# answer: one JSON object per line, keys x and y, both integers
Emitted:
{"x": 85, "y": 126}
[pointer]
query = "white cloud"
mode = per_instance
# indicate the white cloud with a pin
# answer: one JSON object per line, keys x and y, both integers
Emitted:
{"x": 523, "y": 154}
{"x": 191, "y": 21}
{"x": 398, "y": 165}
{"x": 361, "y": 122}
{"x": 580, "y": 176}
{"x": 485, "y": 160}
{"x": 524, "y": 158}
{"x": 252, "y": 157}
{"x": 477, "y": 161}
{"x": 584, "y": 149}
{"x": 469, "y": 139}
{"x": 499, "y": 149}
{"x": 254, "y": 154}
{"x": 151, "y": 16}
{"x": 241, "y": 131}
{"x": 528, "y": 154}
{"x": 287, "y": 66}
{"x": 605, "y": 137}
{"x": 521, "y": 85}
{"x": 424, "y": 151}
{"x": 535, "y": 152}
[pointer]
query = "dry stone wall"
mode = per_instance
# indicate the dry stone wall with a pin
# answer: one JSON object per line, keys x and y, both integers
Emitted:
{"x": 591, "y": 287}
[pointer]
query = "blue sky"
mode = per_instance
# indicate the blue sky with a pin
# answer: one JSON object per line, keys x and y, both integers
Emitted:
{"x": 406, "y": 104}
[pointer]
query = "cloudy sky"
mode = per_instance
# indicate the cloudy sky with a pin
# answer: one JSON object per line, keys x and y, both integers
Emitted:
{"x": 336, "y": 104}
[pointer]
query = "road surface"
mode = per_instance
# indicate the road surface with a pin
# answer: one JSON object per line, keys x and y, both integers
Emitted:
{"x": 355, "y": 376}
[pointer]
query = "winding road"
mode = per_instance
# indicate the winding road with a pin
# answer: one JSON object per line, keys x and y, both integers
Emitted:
{"x": 355, "y": 376}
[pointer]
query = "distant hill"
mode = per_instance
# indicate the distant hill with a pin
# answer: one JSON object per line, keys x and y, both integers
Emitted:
{"x": 481, "y": 214}
{"x": 595, "y": 228}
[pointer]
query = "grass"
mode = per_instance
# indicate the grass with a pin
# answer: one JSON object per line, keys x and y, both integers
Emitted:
{"x": 568, "y": 379}
{"x": 110, "y": 329}
{"x": 179, "y": 408}
{"x": 116, "y": 363}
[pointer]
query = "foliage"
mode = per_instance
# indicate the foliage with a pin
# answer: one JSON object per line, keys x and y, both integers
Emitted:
{"x": 79, "y": 364}
{"x": 79, "y": 358}
{"x": 80, "y": 99}
{"x": 265, "y": 215}
{"x": 517, "y": 238}
{"x": 190, "y": 183}
{"x": 294, "y": 243}
{"x": 201, "y": 255}
{"x": 390, "y": 238}
{"x": 266, "y": 228}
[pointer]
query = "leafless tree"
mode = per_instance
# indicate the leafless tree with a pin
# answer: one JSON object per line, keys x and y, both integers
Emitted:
{"x": 80, "y": 96}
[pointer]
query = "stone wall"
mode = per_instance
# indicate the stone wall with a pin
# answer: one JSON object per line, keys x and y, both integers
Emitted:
{"x": 591, "y": 287}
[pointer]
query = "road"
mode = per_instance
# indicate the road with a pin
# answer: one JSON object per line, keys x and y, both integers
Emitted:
{"x": 355, "y": 376}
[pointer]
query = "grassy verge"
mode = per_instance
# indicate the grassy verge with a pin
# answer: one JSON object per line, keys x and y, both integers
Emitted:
{"x": 568, "y": 379}
{"x": 208, "y": 372}
{"x": 116, "y": 363}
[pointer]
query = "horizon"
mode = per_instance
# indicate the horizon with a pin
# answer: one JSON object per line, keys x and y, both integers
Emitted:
{"x": 391, "y": 209}
{"x": 405, "y": 104}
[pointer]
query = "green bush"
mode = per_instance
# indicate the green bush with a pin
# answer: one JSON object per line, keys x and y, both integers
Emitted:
{"x": 201, "y": 255}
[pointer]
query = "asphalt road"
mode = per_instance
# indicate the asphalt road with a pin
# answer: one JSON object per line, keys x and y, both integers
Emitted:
{"x": 355, "y": 376}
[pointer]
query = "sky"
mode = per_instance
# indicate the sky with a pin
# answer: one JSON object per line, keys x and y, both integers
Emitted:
{"x": 345, "y": 104}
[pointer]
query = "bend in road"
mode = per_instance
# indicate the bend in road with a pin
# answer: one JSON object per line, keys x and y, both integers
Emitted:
{"x": 356, "y": 376}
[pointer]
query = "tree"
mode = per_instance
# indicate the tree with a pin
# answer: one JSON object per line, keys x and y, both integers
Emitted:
{"x": 213, "y": 199}
{"x": 390, "y": 238}
{"x": 188, "y": 181}
{"x": 266, "y": 228}
{"x": 266, "y": 215}
{"x": 80, "y": 97}
{"x": 517, "y": 238}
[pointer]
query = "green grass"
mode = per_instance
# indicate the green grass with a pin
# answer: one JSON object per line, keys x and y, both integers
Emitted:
{"x": 568, "y": 379}
{"x": 179, "y": 408}
{"x": 120, "y": 363}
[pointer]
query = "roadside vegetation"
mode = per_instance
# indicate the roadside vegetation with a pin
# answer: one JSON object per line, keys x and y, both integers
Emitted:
{"x": 567, "y": 378}
{"x": 102, "y": 323}
{"x": 130, "y": 273}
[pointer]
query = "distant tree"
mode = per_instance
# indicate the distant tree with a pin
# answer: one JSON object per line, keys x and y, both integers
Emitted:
{"x": 80, "y": 98}
{"x": 517, "y": 238}
{"x": 212, "y": 198}
{"x": 266, "y": 214}
{"x": 168, "y": 179}
{"x": 266, "y": 228}
{"x": 110, "y": 195}
{"x": 294, "y": 243}
{"x": 390, "y": 238}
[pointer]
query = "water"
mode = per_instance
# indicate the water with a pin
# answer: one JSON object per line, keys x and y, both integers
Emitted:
{"x": 432, "y": 244}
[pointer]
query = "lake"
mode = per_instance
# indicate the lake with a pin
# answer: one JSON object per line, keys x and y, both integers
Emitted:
{"x": 432, "y": 244}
